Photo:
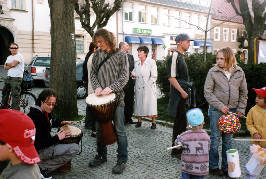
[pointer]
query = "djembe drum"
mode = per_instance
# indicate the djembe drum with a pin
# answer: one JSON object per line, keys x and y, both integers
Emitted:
{"x": 102, "y": 109}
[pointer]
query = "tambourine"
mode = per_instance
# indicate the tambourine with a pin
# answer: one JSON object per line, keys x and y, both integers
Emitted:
{"x": 229, "y": 123}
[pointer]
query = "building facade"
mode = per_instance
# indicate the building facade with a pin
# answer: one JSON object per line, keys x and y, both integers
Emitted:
{"x": 227, "y": 27}
{"x": 155, "y": 23}
{"x": 27, "y": 23}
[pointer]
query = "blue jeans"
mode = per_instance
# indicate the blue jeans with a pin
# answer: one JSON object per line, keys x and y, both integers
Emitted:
{"x": 214, "y": 115}
{"x": 188, "y": 176}
{"x": 122, "y": 153}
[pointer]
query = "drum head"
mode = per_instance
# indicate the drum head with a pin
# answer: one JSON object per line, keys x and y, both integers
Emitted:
{"x": 74, "y": 130}
{"x": 92, "y": 99}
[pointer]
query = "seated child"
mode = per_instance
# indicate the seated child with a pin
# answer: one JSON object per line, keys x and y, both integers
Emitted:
{"x": 255, "y": 121}
{"x": 195, "y": 147}
{"x": 17, "y": 136}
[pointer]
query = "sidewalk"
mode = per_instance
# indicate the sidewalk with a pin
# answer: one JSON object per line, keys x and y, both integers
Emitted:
{"x": 148, "y": 157}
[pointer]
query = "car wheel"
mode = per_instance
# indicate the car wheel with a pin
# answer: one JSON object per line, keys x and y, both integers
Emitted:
{"x": 81, "y": 91}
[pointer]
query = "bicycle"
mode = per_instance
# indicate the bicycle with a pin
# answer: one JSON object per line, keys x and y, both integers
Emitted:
{"x": 27, "y": 99}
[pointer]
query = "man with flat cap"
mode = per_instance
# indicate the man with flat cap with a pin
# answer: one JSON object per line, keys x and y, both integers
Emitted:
{"x": 177, "y": 72}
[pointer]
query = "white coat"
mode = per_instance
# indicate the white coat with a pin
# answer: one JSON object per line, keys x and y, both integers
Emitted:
{"x": 145, "y": 88}
{"x": 90, "y": 90}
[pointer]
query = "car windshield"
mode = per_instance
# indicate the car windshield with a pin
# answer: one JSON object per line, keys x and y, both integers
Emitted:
{"x": 42, "y": 61}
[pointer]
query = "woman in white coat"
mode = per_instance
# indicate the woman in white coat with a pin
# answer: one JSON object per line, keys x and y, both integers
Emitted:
{"x": 145, "y": 72}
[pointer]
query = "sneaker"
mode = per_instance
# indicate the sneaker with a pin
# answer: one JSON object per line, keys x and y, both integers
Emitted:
{"x": 216, "y": 171}
{"x": 153, "y": 126}
{"x": 119, "y": 168}
{"x": 98, "y": 160}
{"x": 45, "y": 174}
{"x": 138, "y": 124}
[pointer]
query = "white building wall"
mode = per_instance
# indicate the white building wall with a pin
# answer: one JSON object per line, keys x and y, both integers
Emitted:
{"x": 125, "y": 28}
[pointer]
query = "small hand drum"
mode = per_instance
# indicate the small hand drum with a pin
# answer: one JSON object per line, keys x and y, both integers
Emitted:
{"x": 229, "y": 123}
{"x": 75, "y": 137}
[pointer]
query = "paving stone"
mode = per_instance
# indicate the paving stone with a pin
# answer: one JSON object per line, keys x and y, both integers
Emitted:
{"x": 148, "y": 157}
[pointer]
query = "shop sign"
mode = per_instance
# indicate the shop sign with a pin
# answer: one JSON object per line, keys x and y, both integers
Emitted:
{"x": 199, "y": 36}
{"x": 142, "y": 31}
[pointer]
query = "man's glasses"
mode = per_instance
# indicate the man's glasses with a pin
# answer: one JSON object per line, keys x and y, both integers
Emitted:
{"x": 13, "y": 47}
{"x": 50, "y": 104}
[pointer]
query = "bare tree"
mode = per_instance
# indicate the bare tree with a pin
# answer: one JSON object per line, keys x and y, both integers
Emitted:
{"x": 102, "y": 10}
{"x": 63, "y": 57}
{"x": 255, "y": 24}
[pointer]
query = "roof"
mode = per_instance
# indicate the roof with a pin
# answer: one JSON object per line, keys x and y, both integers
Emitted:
{"x": 180, "y": 5}
{"x": 224, "y": 11}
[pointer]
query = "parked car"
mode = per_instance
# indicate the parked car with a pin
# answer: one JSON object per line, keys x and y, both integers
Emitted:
{"x": 38, "y": 66}
{"x": 82, "y": 89}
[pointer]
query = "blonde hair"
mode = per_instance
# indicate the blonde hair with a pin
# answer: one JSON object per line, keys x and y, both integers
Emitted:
{"x": 109, "y": 37}
{"x": 229, "y": 58}
{"x": 198, "y": 127}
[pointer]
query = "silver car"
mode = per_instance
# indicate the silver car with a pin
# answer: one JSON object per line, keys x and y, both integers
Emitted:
{"x": 38, "y": 66}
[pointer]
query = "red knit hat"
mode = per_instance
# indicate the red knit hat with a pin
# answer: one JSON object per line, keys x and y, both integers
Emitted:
{"x": 260, "y": 92}
{"x": 18, "y": 130}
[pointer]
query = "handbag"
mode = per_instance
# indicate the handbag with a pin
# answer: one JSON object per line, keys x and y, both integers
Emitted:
{"x": 229, "y": 123}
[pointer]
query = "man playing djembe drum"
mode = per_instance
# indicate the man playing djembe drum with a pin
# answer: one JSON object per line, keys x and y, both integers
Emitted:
{"x": 53, "y": 155}
{"x": 110, "y": 77}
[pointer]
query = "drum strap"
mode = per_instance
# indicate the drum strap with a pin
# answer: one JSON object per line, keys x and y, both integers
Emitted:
{"x": 104, "y": 60}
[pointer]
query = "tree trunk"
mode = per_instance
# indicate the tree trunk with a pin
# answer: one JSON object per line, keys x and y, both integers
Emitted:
{"x": 63, "y": 58}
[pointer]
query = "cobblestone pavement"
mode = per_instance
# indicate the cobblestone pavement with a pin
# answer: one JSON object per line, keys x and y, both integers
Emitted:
{"x": 148, "y": 157}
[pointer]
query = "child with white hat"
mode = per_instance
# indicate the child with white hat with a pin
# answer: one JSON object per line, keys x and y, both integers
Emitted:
{"x": 195, "y": 147}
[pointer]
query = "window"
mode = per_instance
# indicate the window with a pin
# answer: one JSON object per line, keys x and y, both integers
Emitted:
{"x": 176, "y": 18}
{"x": 225, "y": 34}
{"x": 142, "y": 13}
{"x": 215, "y": 51}
{"x": 216, "y": 33}
{"x": 203, "y": 22}
{"x": 166, "y": 17}
{"x": 128, "y": 8}
{"x": 196, "y": 21}
{"x": 204, "y": 2}
{"x": 80, "y": 44}
{"x": 233, "y": 35}
{"x": 195, "y": 1}
{"x": 17, "y": 4}
{"x": 187, "y": 19}
{"x": 154, "y": 15}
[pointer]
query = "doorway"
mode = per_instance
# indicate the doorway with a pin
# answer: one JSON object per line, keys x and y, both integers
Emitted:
{"x": 6, "y": 37}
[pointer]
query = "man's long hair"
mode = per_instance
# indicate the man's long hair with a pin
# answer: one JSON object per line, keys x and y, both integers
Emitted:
{"x": 109, "y": 37}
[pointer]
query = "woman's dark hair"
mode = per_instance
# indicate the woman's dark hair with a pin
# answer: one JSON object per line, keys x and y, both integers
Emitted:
{"x": 145, "y": 49}
{"x": 108, "y": 37}
{"x": 46, "y": 94}
{"x": 91, "y": 48}
{"x": 2, "y": 143}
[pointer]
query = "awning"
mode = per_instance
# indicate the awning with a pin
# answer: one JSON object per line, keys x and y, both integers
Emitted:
{"x": 145, "y": 40}
{"x": 201, "y": 43}
{"x": 157, "y": 41}
{"x": 132, "y": 40}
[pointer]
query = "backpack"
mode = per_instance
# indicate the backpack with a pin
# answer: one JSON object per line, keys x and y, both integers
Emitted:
{"x": 27, "y": 81}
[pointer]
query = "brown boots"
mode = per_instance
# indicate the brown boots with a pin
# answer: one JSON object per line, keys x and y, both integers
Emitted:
{"x": 65, "y": 168}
